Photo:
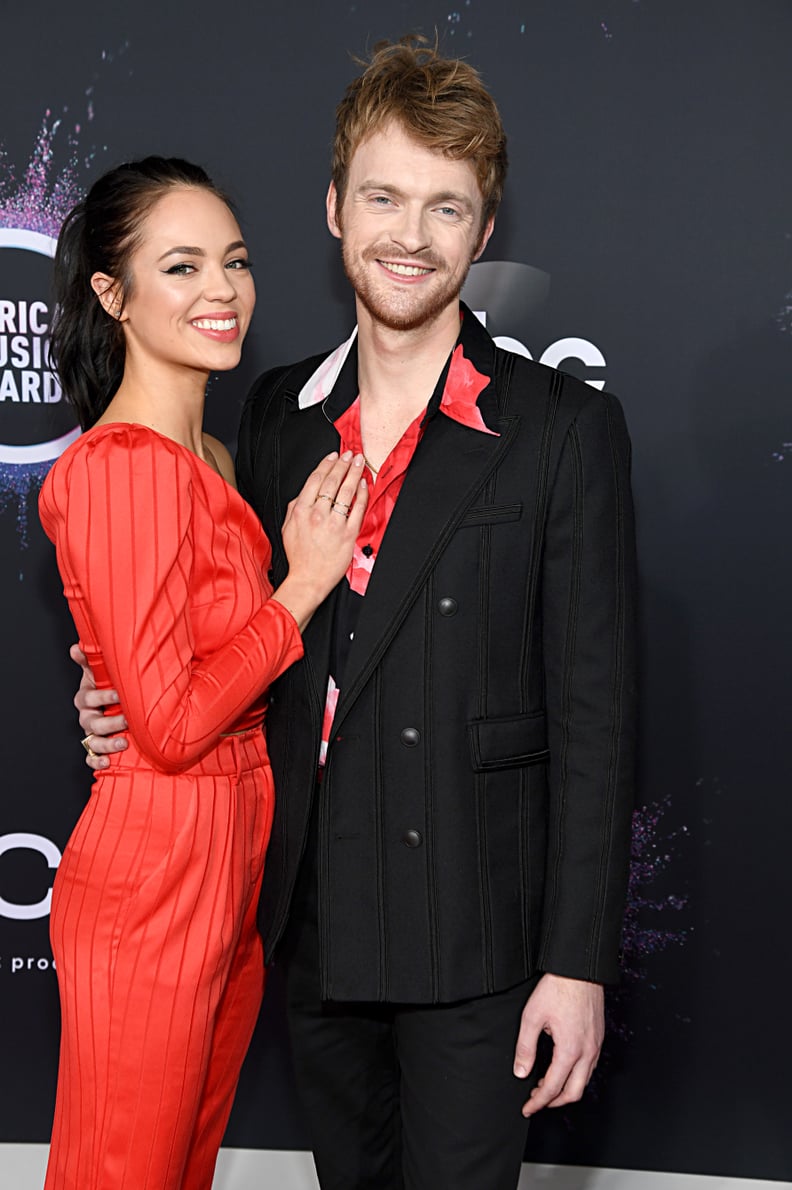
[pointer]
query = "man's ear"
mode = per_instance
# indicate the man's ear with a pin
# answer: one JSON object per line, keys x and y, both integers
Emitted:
{"x": 489, "y": 227}
{"x": 331, "y": 205}
{"x": 108, "y": 292}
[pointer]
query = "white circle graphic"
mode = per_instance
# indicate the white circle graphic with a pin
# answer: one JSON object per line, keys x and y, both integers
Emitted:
{"x": 38, "y": 452}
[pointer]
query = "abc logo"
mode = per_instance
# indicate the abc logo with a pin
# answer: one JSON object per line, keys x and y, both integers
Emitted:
{"x": 38, "y": 846}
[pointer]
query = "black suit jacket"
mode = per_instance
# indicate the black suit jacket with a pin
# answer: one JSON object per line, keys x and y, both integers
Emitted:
{"x": 475, "y": 809}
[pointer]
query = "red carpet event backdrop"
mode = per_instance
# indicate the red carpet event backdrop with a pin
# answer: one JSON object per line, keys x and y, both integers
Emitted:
{"x": 645, "y": 244}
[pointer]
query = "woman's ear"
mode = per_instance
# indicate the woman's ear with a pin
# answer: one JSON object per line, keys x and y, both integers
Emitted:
{"x": 108, "y": 292}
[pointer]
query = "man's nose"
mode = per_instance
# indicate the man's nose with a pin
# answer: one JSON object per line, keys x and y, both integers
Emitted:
{"x": 411, "y": 231}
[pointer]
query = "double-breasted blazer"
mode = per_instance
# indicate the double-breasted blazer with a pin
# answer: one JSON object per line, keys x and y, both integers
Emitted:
{"x": 474, "y": 813}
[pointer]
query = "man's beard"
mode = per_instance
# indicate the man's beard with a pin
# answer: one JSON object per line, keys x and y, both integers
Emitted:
{"x": 401, "y": 311}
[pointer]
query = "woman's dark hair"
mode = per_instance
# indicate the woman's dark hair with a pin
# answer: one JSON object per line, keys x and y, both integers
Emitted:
{"x": 99, "y": 235}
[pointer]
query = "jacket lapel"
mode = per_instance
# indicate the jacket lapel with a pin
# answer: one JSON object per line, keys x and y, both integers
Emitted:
{"x": 450, "y": 465}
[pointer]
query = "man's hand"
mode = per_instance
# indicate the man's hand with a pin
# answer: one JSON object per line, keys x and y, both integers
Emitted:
{"x": 89, "y": 702}
{"x": 572, "y": 1011}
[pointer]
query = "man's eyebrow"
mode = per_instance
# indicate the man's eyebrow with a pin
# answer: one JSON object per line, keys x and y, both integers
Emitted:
{"x": 373, "y": 184}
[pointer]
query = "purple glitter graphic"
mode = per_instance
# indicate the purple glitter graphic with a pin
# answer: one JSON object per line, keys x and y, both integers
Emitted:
{"x": 651, "y": 855}
{"x": 646, "y": 930}
{"x": 38, "y": 199}
{"x": 17, "y": 483}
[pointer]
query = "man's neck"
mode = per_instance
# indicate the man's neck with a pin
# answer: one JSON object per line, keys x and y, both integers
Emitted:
{"x": 397, "y": 374}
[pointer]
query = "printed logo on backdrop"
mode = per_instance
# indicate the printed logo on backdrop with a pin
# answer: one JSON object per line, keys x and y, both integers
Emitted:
{"x": 36, "y": 423}
{"x": 28, "y": 863}
{"x": 506, "y": 295}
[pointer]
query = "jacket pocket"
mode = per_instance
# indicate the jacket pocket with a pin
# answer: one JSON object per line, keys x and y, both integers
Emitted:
{"x": 508, "y": 743}
{"x": 492, "y": 514}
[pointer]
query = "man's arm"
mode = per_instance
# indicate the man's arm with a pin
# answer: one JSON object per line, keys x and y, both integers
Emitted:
{"x": 588, "y": 589}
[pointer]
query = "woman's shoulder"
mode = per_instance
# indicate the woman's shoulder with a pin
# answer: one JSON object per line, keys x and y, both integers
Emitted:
{"x": 109, "y": 454}
{"x": 222, "y": 458}
{"x": 119, "y": 438}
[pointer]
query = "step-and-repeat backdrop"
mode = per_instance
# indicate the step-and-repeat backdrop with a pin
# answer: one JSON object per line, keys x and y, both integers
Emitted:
{"x": 645, "y": 243}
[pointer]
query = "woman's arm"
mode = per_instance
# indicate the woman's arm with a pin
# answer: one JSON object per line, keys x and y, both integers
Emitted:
{"x": 120, "y": 512}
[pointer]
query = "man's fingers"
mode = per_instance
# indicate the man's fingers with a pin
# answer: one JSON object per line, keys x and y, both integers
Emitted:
{"x": 574, "y": 1086}
{"x": 93, "y": 721}
{"x": 565, "y": 1081}
{"x": 525, "y": 1050}
{"x": 94, "y": 700}
{"x": 78, "y": 657}
{"x": 100, "y": 731}
{"x": 551, "y": 1086}
{"x": 103, "y": 729}
{"x": 104, "y": 746}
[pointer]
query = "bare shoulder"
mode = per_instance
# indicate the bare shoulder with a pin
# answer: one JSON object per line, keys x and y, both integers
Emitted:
{"x": 222, "y": 458}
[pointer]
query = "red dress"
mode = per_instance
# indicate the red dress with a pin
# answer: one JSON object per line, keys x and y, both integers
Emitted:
{"x": 153, "y": 917}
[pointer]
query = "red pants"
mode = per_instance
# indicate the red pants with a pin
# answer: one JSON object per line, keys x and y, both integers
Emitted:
{"x": 159, "y": 967}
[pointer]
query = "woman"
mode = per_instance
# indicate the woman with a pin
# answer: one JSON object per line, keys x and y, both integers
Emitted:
{"x": 164, "y": 566}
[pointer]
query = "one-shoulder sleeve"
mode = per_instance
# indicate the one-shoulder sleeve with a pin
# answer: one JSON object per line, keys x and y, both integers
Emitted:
{"x": 119, "y": 509}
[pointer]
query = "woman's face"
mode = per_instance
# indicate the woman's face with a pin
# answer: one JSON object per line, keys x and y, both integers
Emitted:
{"x": 192, "y": 294}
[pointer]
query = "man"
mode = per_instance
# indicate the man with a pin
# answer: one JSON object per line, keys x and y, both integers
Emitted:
{"x": 447, "y": 869}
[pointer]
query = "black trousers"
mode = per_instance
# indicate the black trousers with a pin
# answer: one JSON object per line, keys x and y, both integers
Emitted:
{"x": 401, "y": 1096}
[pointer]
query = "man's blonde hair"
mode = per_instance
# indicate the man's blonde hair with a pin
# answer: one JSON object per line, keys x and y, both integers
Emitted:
{"x": 441, "y": 102}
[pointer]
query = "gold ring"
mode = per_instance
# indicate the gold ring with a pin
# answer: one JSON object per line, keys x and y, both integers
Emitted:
{"x": 87, "y": 746}
{"x": 322, "y": 496}
{"x": 341, "y": 504}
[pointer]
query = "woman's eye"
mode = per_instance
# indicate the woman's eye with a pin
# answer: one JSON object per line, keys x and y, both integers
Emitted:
{"x": 180, "y": 270}
{"x": 240, "y": 263}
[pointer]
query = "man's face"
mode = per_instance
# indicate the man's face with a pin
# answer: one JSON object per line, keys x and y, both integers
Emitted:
{"x": 410, "y": 228}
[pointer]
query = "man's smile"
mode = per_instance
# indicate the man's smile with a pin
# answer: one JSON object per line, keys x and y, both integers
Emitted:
{"x": 405, "y": 270}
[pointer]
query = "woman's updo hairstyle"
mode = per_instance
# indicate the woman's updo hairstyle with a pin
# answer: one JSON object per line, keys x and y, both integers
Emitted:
{"x": 99, "y": 235}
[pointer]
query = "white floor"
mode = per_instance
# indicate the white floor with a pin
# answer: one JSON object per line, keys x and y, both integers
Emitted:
{"x": 22, "y": 1167}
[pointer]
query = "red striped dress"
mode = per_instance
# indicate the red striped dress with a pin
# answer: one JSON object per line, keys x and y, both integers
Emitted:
{"x": 153, "y": 918}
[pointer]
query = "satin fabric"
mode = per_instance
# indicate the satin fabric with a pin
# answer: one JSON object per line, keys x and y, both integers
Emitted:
{"x": 153, "y": 919}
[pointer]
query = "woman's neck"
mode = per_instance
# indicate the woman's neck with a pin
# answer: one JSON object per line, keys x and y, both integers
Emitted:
{"x": 170, "y": 401}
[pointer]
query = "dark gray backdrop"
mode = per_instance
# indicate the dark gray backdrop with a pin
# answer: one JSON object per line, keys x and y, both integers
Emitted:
{"x": 651, "y": 180}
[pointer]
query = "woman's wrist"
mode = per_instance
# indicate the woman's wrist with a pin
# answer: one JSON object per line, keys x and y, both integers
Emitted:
{"x": 300, "y": 597}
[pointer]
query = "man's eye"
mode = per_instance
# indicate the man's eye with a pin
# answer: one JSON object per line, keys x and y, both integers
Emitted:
{"x": 450, "y": 211}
